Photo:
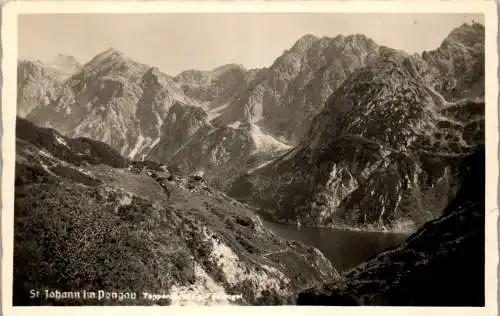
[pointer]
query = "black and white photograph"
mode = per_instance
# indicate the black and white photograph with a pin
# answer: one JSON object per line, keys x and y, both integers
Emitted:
{"x": 250, "y": 159}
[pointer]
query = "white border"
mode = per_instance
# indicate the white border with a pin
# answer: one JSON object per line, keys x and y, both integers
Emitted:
{"x": 10, "y": 12}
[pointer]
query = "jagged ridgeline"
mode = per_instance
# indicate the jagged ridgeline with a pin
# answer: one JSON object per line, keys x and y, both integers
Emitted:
{"x": 220, "y": 122}
{"x": 88, "y": 219}
{"x": 337, "y": 131}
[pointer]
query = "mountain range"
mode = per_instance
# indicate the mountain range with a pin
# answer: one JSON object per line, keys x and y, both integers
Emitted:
{"x": 337, "y": 131}
{"x": 128, "y": 178}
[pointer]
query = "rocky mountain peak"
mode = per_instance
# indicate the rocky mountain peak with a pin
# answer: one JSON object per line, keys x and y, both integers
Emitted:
{"x": 304, "y": 43}
{"x": 195, "y": 112}
{"x": 37, "y": 85}
{"x": 215, "y": 87}
{"x": 109, "y": 56}
{"x": 191, "y": 74}
{"x": 457, "y": 67}
{"x": 359, "y": 39}
{"x": 299, "y": 80}
{"x": 466, "y": 34}
{"x": 113, "y": 99}
{"x": 206, "y": 77}
{"x": 111, "y": 51}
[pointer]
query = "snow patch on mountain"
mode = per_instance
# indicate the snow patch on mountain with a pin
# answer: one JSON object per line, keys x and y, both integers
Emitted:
{"x": 235, "y": 124}
{"x": 155, "y": 142}
{"x": 213, "y": 113}
{"x": 262, "y": 165}
{"x": 138, "y": 144}
{"x": 264, "y": 142}
{"x": 60, "y": 140}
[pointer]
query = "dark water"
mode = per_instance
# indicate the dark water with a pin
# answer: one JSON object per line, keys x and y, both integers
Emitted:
{"x": 344, "y": 248}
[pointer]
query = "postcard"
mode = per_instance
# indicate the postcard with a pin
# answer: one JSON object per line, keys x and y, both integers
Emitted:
{"x": 303, "y": 157}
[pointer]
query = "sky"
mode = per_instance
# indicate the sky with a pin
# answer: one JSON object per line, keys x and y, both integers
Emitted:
{"x": 175, "y": 42}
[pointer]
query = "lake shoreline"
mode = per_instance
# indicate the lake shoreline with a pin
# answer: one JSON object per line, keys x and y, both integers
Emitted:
{"x": 403, "y": 230}
{"x": 344, "y": 248}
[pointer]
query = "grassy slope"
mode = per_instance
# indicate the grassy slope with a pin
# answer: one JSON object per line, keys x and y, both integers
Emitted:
{"x": 96, "y": 227}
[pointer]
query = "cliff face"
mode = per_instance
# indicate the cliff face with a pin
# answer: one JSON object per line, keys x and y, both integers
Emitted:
{"x": 38, "y": 83}
{"x": 285, "y": 97}
{"x": 87, "y": 218}
{"x": 458, "y": 64}
{"x": 179, "y": 126}
{"x": 381, "y": 154}
{"x": 442, "y": 264}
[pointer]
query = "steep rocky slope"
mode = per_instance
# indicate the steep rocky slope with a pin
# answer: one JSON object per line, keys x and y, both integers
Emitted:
{"x": 190, "y": 142}
{"x": 382, "y": 154}
{"x": 77, "y": 151}
{"x": 457, "y": 66}
{"x": 442, "y": 264}
{"x": 88, "y": 219}
{"x": 181, "y": 123}
{"x": 255, "y": 115}
{"x": 224, "y": 153}
{"x": 115, "y": 100}
{"x": 36, "y": 86}
{"x": 285, "y": 97}
{"x": 214, "y": 88}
